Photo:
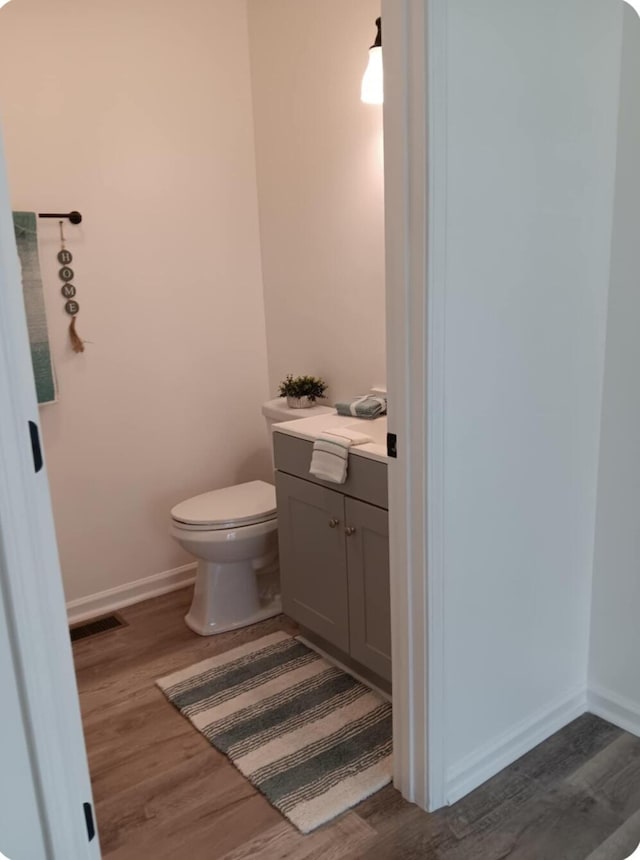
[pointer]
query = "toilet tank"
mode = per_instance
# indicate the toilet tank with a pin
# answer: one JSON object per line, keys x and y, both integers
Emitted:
{"x": 275, "y": 411}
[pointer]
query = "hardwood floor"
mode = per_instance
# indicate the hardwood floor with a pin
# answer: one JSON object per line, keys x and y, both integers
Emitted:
{"x": 161, "y": 791}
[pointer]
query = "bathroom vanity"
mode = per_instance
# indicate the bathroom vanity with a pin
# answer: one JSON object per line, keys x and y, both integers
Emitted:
{"x": 334, "y": 549}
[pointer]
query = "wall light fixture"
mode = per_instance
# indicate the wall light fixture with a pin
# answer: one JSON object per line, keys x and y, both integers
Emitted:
{"x": 372, "y": 81}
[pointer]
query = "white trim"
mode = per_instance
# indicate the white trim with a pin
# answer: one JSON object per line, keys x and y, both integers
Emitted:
{"x": 132, "y": 592}
{"x": 501, "y": 752}
{"x": 415, "y": 324}
{"x": 31, "y": 583}
{"x": 436, "y": 329}
{"x": 406, "y": 725}
{"x": 619, "y": 710}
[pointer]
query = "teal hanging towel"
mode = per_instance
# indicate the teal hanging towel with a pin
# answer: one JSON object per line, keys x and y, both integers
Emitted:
{"x": 27, "y": 241}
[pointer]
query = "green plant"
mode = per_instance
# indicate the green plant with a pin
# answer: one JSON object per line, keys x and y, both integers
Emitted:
{"x": 303, "y": 386}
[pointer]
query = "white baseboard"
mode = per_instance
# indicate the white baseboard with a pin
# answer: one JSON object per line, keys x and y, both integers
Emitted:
{"x": 619, "y": 710}
{"x": 480, "y": 766}
{"x": 133, "y": 592}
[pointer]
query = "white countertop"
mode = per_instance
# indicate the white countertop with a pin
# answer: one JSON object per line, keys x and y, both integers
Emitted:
{"x": 310, "y": 429}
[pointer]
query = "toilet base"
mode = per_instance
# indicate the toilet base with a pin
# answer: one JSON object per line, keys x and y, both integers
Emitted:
{"x": 233, "y": 595}
{"x": 212, "y": 628}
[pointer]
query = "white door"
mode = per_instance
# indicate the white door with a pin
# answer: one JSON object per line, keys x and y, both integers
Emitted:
{"x": 45, "y": 793}
{"x": 21, "y": 832}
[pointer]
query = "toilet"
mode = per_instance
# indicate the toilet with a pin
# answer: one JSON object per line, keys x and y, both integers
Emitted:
{"x": 233, "y": 532}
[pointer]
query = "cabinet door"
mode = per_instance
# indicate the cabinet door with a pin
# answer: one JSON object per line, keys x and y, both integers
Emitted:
{"x": 313, "y": 570}
{"x": 369, "y": 589}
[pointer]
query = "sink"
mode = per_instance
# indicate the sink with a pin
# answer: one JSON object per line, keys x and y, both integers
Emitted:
{"x": 311, "y": 428}
{"x": 376, "y": 428}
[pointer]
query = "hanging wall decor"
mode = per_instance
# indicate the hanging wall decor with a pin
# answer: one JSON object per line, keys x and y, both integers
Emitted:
{"x": 68, "y": 291}
{"x": 26, "y": 232}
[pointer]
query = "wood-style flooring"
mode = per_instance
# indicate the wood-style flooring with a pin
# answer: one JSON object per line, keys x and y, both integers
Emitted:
{"x": 161, "y": 791}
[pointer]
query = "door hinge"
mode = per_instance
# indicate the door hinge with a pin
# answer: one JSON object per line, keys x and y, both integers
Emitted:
{"x": 88, "y": 817}
{"x": 36, "y": 449}
{"x": 392, "y": 445}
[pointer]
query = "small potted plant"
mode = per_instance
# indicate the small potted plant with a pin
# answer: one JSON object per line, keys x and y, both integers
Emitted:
{"x": 302, "y": 391}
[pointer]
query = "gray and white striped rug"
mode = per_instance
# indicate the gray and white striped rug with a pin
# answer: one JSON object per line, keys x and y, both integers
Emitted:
{"x": 312, "y": 739}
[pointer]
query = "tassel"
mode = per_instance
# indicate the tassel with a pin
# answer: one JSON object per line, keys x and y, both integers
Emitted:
{"x": 77, "y": 344}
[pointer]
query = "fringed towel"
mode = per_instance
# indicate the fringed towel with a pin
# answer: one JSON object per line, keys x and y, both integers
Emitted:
{"x": 368, "y": 406}
{"x": 27, "y": 241}
{"x": 331, "y": 453}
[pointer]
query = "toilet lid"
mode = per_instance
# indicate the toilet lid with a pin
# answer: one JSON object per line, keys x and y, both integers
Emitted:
{"x": 243, "y": 504}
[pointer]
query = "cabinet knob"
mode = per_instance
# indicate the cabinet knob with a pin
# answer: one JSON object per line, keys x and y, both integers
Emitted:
{"x": 333, "y": 524}
{"x": 350, "y": 530}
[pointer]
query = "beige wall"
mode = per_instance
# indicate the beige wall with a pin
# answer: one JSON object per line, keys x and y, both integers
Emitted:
{"x": 320, "y": 183}
{"x": 138, "y": 113}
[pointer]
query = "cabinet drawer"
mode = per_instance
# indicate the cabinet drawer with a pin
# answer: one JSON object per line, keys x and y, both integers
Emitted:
{"x": 366, "y": 479}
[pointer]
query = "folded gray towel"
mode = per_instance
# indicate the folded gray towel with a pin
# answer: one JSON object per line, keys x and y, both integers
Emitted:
{"x": 368, "y": 406}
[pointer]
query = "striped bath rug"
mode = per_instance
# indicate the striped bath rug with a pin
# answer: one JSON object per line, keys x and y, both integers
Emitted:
{"x": 312, "y": 739}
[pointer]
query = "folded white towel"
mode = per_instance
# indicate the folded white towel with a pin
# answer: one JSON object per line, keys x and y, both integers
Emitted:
{"x": 331, "y": 452}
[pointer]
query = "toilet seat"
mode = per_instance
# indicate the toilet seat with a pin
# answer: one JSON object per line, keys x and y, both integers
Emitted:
{"x": 228, "y": 508}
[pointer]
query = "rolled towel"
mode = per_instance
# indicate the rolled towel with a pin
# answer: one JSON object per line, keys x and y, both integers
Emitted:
{"x": 368, "y": 406}
{"x": 330, "y": 455}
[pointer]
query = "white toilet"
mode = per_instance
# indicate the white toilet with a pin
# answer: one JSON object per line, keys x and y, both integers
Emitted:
{"x": 233, "y": 534}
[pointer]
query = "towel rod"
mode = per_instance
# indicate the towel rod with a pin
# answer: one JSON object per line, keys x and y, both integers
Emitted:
{"x": 74, "y": 217}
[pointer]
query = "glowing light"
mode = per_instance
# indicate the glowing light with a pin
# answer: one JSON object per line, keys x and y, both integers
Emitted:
{"x": 372, "y": 92}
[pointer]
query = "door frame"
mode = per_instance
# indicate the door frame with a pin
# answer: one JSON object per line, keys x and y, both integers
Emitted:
{"x": 31, "y": 584}
{"x": 415, "y": 185}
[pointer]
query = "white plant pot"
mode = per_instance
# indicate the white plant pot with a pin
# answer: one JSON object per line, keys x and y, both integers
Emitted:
{"x": 299, "y": 403}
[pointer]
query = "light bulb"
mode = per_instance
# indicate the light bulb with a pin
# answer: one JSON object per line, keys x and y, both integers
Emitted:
{"x": 372, "y": 80}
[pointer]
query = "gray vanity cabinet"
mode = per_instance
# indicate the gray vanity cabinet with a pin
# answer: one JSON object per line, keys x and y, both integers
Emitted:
{"x": 369, "y": 588}
{"x": 313, "y": 564}
{"x": 334, "y": 555}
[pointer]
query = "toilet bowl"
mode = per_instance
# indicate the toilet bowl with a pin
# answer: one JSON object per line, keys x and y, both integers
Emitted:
{"x": 233, "y": 534}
